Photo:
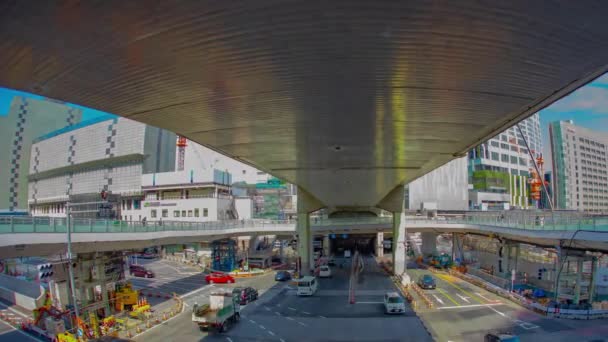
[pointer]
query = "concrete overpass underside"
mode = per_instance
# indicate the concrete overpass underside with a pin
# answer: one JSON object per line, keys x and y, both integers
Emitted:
{"x": 348, "y": 100}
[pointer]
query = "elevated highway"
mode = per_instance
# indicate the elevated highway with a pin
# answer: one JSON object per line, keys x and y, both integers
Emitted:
{"x": 42, "y": 236}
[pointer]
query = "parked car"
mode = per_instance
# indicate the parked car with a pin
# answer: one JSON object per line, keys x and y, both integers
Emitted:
{"x": 140, "y": 271}
{"x": 245, "y": 295}
{"x": 393, "y": 303}
{"x": 427, "y": 282}
{"x": 324, "y": 271}
{"x": 217, "y": 277}
{"x": 331, "y": 262}
{"x": 282, "y": 276}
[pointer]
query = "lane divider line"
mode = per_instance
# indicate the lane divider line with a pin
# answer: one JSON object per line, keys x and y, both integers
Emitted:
{"x": 469, "y": 306}
{"x": 460, "y": 289}
{"x": 448, "y": 296}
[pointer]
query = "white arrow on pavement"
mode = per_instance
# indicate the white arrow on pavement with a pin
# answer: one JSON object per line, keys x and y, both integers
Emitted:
{"x": 463, "y": 297}
{"x": 438, "y": 299}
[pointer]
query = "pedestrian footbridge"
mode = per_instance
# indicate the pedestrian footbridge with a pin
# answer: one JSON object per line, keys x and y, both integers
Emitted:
{"x": 31, "y": 236}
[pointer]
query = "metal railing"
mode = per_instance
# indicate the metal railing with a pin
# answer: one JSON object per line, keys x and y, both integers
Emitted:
{"x": 526, "y": 220}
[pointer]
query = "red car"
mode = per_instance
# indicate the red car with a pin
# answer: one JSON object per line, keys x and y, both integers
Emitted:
{"x": 216, "y": 277}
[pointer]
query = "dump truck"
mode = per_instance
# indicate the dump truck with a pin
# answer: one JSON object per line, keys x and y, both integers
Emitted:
{"x": 222, "y": 311}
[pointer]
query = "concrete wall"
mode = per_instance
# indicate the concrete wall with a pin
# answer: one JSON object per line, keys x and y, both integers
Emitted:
{"x": 446, "y": 185}
{"x": 244, "y": 207}
{"x": 27, "y": 295}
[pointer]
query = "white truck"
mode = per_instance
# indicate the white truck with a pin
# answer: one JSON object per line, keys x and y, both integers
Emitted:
{"x": 222, "y": 311}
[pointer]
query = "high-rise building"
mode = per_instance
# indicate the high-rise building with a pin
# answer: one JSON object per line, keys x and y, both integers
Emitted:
{"x": 26, "y": 119}
{"x": 580, "y": 172}
{"x": 106, "y": 153}
{"x": 445, "y": 187}
{"x": 499, "y": 168}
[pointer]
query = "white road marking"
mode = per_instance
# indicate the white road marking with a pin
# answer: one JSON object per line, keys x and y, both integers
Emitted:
{"x": 228, "y": 339}
{"x": 302, "y": 324}
{"x": 282, "y": 340}
{"x": 267, "y": 308}
{"x": 486, "y": 298}
{"x": 196, "y": 291}
{"x": 278, "y": 305}
{"x": 289, "y": 318}
{"x": 468, "y": 306}
{"x": 322, "y": 316}
{"x": 278, "y": 313}
{"x": 306, "y": 313}
{"x": 369, "y": 302}
{"x": 21, "y": 332}
{"x": 270, "y": 332}
{"x": 262, "y": 327}
{"x": 463, "y": 298}
{"x": 438, "y": 299}
{"x": 290, "y": 308}
{"x": 252, "y": 321}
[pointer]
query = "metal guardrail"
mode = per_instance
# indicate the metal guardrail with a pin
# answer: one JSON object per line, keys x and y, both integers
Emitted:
{"x": 525, "y": 220}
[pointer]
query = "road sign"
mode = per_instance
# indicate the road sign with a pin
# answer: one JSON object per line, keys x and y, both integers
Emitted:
{"x": 345, "y": 236}
{"x": 332, "y": 236}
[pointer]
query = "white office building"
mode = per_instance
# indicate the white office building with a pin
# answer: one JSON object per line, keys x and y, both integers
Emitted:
{"x": 186, "y": 196}
{"x": 508, "y": 154}
{"x": 580, "y": 171}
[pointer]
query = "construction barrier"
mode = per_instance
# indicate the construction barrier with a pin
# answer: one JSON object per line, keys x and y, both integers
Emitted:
{"x": 529, "y": 304}
{"x": 422, "y": 295}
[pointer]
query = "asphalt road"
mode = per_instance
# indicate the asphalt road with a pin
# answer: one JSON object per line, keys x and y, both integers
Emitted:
{"x": 280, "y": 315}
{"x": 465, "y": 312}
{"x": 10, "y": 334}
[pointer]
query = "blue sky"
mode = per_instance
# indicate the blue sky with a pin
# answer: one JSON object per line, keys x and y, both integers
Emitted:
{"x": 6, "y": 96}
{"x": 588, "y": 107}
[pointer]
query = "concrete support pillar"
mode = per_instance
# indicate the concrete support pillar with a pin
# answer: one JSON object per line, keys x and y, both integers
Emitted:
{"x": 457, "y": 247}
{"x": 429, "y": 243}
{"x": 101, "y": 275}
{"x": 281, "y": 251}
{"x": 380, "y": 244}
{"x": 594, "y": 266}
{"x": 326, "y": 245}
{"x": 399, "y": 242}
{"x": 579, "y": 273}
{"x": 304, "y": 243}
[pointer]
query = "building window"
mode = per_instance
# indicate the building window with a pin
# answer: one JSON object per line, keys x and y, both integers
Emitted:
{"x": 205, "y": 212}
{"x": 513, "y": 160}
{"x": 136, "y": 204}
{"x": 495, "y": 156}
{"x": 165, "y": 212}
{"x": 153, "y": 213}
{"x": 183, "y": 213}
{"x": 503, "y": 137}
{"x": 522, "y": 162}
{"x": 128, "y": 204}
{"x": 196, "y": 212}
{"x": 189, "y": 213}
{"x": 175, "y": 213}
{"x": 504, "y": 146}
{"x": 494, "y": 143}
{"x": 244, "y": 172}
{"x": 504, "y": 158}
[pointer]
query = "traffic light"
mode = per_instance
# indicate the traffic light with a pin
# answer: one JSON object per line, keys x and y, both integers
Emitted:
{"x": 45, "y": 272}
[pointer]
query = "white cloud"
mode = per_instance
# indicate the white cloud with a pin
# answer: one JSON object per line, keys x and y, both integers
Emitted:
{"x": 591, "y": 99}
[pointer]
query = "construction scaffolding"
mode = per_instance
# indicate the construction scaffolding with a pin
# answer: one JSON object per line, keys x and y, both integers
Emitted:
{"x": 223, "y": 255}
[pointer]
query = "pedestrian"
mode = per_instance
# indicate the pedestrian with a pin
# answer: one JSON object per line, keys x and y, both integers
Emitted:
{"x": 143, "y": 221}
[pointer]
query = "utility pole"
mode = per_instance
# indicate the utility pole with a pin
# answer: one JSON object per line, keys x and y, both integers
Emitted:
{"x": 70, "y": 269}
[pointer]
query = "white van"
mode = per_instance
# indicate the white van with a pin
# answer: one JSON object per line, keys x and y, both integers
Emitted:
{"x": 307, "y": 286}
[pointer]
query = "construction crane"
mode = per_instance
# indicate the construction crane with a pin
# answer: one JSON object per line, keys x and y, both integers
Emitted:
{"x": 181, "y": 152}
{"x": 536, "y": 181}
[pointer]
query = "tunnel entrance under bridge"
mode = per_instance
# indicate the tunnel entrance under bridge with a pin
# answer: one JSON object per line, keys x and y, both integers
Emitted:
{"x": 364, "y": 243}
